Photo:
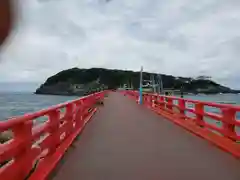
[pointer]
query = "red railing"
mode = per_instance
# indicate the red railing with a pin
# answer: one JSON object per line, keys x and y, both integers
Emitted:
{"x": 35, "y": 148}
{"x": 215, "y": 122}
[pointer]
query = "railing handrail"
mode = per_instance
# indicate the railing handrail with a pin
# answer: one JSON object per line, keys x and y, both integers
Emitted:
{"x": 46, "y": 141}
{"x": 6, "y": 124}
{"x": 202, "y": 122}
{"x": 213, "y": 104}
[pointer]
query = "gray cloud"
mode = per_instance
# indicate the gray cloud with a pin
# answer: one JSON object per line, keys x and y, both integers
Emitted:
{"x": 179, "y": 37}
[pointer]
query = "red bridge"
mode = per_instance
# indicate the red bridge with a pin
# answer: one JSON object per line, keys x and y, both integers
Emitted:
{"x": 123, "y": 140}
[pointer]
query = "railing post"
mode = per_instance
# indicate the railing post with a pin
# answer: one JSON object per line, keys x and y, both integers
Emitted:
{"x": 136, "y": 96}
{"x": 199, "y": 108}
{"x": 165, "y": 102}
{"x": 23, "y": 133}
{"x": 170, "y": 104}
{"x": 143, "y": 98}
{"x": 79, "y": 114}
{"x": 162, "y": 103}
{"x": 228, "y": 122}
{"x": 154, "y": 99}
{"x": 69, "y": 118}
{"x": 149, "y": 100}
{"x": 182, "y": 107}
{"x": 84, "y": 107}
{"x": 146, "y": 99}
{"x": 54, "y": 122}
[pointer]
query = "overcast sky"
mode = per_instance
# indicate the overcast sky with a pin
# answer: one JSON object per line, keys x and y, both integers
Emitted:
{"x": 178, "y": 37}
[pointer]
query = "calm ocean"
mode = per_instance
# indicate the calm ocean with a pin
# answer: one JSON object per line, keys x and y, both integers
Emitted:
{"x": 14, "y": 104}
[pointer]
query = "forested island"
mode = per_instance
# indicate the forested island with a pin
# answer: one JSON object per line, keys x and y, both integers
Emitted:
{"x": 77, "y": 81}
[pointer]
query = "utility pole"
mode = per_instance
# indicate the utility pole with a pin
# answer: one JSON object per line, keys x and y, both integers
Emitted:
{"x": 140, "y": 86}
{"x": 157, "y": 85}
{"x": 160, "y": 84}
{"x": 181, "y": 90}
{"x": 152, "y": 79}
{"x": 130, "y": 84}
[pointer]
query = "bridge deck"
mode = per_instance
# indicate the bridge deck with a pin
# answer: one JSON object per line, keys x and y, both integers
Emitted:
{"x": 127, "y": 141}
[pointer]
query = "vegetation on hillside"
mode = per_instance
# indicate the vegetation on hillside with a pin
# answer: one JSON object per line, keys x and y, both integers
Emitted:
{"x": 112, "y": 78}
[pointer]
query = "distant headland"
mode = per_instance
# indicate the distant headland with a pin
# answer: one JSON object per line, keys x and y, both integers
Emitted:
{"x": 78, "y": 82}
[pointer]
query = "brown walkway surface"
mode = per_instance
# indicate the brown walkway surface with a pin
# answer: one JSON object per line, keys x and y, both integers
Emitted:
{"x": 127, "y": 141}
